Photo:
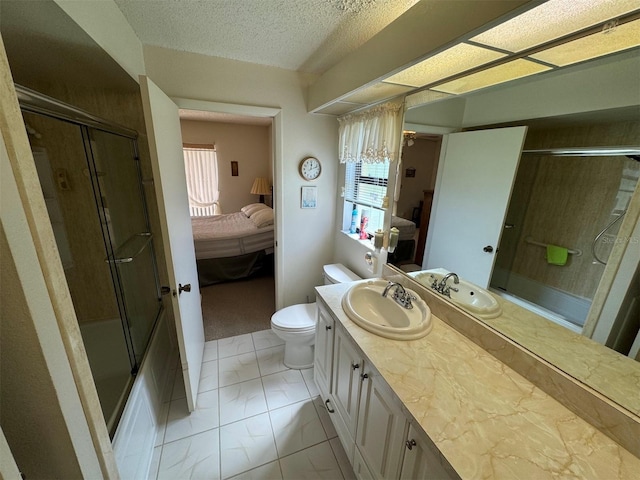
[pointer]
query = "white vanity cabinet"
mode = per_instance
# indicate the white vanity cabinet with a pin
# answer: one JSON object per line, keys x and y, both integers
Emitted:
{"x": 382, "y": 428}
{"x": 365, "y": 412}
{"x": 323, "y": 358}
{"x": 348, "y": 365}
{"x": 421, "y": 461}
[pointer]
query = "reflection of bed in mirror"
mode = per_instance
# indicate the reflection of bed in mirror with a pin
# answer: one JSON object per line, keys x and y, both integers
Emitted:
{"x": 233, "y": 246}
{"x": 404, "y": 252}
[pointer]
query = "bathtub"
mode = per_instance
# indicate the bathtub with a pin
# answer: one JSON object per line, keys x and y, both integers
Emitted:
{"x": 109, "y": 360}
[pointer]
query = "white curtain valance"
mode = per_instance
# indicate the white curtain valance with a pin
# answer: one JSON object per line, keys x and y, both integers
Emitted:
{"x": 373, "y": 136}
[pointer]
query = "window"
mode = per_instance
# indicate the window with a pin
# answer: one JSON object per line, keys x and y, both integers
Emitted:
{"x": 369, "y": 142}
{"x": 366, "y": 187}
{"x": 201, "y": 168}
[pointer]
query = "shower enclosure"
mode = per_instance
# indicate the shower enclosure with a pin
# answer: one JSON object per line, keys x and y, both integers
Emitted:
{"x": 573, "y": 201}
{"x": 93, "y": 188}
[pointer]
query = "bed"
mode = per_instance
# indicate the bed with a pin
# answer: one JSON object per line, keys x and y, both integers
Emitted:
{"x": 235, "y": 245}
{"x": 406, "y": 240}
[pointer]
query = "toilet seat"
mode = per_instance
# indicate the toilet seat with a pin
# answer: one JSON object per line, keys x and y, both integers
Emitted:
{"x": 295, "y": 318}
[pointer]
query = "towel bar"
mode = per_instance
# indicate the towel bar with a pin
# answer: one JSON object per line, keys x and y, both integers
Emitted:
{"x": 530, "y": 240}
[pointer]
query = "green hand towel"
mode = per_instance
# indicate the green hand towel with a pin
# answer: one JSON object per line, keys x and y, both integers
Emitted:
{"x": 557, "y": 255}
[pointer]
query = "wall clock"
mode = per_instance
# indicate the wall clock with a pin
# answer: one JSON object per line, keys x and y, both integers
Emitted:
{"x": 310, "y": 168}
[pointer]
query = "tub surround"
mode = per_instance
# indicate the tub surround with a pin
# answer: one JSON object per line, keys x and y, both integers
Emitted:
{"x": 490, "y": 422}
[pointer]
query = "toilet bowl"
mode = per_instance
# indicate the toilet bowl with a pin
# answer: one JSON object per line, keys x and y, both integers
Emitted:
{"x": 296, "y": 324}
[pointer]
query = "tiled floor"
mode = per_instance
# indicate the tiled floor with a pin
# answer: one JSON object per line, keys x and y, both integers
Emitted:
{"x": 256, "y": 419}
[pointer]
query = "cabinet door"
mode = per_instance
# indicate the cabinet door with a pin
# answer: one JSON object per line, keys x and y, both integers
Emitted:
{"x": 360, "y": 467}
{"x": 381, "y": 428}
{"x": 347, "y": 366}
{"x": 323, "y": 359}
{"x": 421, "y": 462}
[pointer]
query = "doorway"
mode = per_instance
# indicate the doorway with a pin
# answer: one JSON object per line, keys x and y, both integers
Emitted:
{"x": 230, "y": 296}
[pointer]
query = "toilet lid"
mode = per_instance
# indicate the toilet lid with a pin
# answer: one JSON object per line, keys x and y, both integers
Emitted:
{"x": 296, "y": 317}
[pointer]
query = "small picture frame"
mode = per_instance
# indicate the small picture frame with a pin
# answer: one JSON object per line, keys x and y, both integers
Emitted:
{"x": 309, "y": 197}
{"x": 234, "y": 169}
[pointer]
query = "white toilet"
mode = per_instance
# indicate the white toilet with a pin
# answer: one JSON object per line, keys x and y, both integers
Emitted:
{"x": 296, "y": 325}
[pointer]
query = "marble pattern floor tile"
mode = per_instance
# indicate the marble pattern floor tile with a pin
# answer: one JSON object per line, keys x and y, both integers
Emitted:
{"x": 229, "y": 347}
{"x": 208, "y": 376}
{"x": 238, "y": 368}
{"x": 241, "y": 400}
{"x": 181, "y": 423}
{"x": 284, "y": 388}
{"x": 296, "y": 427}
{"x": 317, "y": 462}
{"x": 249, "y": 424}
{"x": 246, "y": 444}
{"x": 266, "y": 339}
{"x": 270, "y": 471}
{"x": 271, "y": 360}
{"x": 210, "y": 351}
{"x": 194, "y": 457}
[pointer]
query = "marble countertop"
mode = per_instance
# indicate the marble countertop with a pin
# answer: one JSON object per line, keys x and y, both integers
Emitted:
{"x": 487, "y": 420}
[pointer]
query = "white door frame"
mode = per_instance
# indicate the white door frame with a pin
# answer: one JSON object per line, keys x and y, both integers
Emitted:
{"x": 277, "y": 144}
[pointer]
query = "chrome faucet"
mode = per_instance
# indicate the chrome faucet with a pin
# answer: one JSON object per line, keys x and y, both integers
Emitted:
{"x": 442, "y": 287}
{"x": 400, "y": 295}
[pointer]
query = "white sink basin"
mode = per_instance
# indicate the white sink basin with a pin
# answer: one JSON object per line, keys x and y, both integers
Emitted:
{"x": 469, "y": 296}
{"x": 365, "y": 306}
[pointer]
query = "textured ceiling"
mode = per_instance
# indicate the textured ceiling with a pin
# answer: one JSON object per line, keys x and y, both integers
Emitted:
{"x": 302, "y": 35}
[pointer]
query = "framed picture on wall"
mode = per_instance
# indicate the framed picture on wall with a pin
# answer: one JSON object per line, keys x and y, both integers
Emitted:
{"x": 309, "y": 197}
{"x": 234, "y": 169}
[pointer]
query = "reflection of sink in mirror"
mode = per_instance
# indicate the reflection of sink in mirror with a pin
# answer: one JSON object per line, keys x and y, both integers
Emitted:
{"x": 469, "y": 296}
{"x": 365, "y": 306}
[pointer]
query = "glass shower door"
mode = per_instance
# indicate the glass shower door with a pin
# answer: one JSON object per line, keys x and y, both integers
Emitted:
{"x": 126, "y": 232}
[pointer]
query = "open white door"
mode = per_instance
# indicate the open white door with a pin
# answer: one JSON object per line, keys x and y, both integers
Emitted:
{"x": 475, "y": 178}
{"x": 165, "y": 145}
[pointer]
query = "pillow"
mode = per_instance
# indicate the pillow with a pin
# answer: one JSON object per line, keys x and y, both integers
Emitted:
{"x": 263, "y": 217}
{"x": 252, "y": 208}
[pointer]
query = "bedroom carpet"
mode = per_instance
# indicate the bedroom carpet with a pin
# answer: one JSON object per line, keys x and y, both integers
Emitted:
{"x": 236, "y": 308}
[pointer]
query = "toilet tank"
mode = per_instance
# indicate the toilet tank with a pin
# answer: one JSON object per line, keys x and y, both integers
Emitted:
{"x": 338, "y": 273}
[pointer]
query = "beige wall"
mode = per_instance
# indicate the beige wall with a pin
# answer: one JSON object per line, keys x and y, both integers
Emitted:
{"x": 305, "y": 237}
{"x": 249, "y": 145}
{"x": 571, "y": 201}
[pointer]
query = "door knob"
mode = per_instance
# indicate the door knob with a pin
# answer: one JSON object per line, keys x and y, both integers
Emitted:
{"x": 186, "y": 288}
{"x": 488, "y": 249}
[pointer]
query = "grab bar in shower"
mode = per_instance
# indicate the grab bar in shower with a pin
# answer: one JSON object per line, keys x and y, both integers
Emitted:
{"x": 530, "y": 240}
{"x": 131, "y": 248}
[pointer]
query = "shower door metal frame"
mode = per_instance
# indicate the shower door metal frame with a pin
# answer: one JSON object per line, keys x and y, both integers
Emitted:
{"x": 35, "y": 102}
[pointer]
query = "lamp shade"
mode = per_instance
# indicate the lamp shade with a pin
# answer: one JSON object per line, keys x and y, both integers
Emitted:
{"x": 261, "y": 186}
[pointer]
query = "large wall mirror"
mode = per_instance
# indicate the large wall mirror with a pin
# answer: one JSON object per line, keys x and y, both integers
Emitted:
{"x": 491, "y": 202}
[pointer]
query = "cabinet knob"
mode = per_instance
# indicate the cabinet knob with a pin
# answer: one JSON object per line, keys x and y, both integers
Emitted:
{"x": 355, "y": 366}
{"x": 488, "y": 249}
{"x": 328, "y": 327}
{"x": 410, "y": 444}
{"x": 364, "y": 376}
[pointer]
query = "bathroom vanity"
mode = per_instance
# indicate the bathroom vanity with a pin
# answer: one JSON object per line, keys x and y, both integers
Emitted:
{"x": 443, "y": 407}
